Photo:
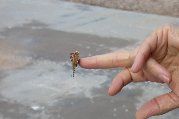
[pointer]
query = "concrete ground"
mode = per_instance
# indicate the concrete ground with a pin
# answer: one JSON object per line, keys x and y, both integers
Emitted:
{"x": 36, "y": 82}
{"x": 160, "y": 7}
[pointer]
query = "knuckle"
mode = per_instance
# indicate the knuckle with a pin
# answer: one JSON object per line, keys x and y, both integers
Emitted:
{"x": 163, "y": 30}
{"x": 155, "y": 100}
{"x": 165, "y": 27}
{"x": 174, "y": 99}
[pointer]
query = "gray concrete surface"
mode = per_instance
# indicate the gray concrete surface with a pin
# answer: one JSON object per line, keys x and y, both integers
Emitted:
{"x": 36, "y": 38}
{"x": 160, "y": 7}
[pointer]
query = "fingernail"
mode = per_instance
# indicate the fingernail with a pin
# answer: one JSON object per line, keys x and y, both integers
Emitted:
{"x": 164, "y": 78}
{"x": 111, "y": 91}
{"x": 134, "y": 68}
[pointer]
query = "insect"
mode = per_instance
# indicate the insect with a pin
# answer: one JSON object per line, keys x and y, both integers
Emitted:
{"x": 74, "y": 57}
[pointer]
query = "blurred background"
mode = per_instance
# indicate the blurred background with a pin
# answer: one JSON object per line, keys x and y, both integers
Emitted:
{"x": 37, "y": 37}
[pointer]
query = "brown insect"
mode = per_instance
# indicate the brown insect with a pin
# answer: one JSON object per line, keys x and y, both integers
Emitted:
{"x": 74, "y": 57}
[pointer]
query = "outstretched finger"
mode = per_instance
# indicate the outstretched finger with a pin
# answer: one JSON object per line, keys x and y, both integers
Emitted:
{"x": 110, "y": 60}
{"x": 158, "y": 106}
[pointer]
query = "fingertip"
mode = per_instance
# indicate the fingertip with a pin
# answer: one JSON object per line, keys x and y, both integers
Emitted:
{"x": 165, "y": 78}
{"x": 110, "y": 93}
{"x": 168, "y": 81}
{"x": 147, "y": 110}
{"x": 135, "y": 67}
{"x": 87, "y": 62}
{"x": 116, "y": 86}
{"x": 81, "y": 62}
{"x": 113, "y": 90}
{"x": 138, "y": 63}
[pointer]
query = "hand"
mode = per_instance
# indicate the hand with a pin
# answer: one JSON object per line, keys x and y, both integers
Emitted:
{"x": 156, "y": 60}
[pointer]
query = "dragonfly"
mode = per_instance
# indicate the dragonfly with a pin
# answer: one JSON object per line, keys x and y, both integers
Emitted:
{"x": 74, "y": 57}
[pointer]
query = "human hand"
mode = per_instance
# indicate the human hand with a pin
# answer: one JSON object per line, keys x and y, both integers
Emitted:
{"x": 156, "y": 60}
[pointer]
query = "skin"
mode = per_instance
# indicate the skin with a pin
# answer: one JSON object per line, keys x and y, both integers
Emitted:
{"x": 155, "y": 60}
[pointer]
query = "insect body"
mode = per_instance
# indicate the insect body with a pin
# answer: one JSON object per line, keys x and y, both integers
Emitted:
{"x": 74, "y": 60}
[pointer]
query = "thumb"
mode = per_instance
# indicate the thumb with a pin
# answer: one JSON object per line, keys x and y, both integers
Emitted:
{"x": 158, "y": 106}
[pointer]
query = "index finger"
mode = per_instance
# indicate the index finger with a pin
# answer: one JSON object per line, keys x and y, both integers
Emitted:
{"x": 110, "y": 60}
